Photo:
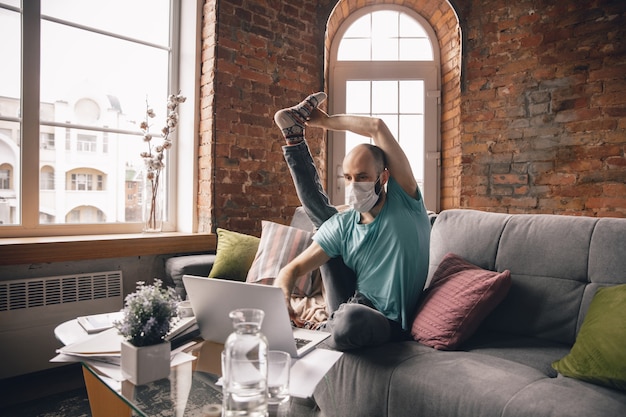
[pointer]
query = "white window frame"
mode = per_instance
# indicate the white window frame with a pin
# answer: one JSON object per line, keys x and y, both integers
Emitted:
{"x": 342, "y": 71}
{"x": 81, "y": 182}
{"x": 86, "y": 143}
{"x": 182, "y": 178}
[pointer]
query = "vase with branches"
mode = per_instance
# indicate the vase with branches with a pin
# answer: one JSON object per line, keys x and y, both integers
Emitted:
{"x": 154, "y": 161}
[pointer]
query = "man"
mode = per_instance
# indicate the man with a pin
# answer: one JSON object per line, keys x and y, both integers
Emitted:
{"x": 383, "y": 239}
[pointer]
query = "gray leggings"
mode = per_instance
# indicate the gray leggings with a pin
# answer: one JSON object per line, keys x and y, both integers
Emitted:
{"x": 353, "y": 321}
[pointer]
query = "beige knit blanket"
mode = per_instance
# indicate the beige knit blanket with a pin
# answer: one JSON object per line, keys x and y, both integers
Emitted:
{"x": 310, "y": 311}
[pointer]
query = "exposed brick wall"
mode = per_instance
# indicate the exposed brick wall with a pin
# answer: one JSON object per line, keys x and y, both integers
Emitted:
{"x": 267, "y": 55}
{"x": 535, "y": 122}
{"x": 543, "y": 107}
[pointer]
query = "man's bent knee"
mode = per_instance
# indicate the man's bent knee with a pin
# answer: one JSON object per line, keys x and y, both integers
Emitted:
{"x": 354, "y": 325}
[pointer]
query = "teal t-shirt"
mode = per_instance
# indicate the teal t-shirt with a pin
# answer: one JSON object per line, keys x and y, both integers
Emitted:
{"x": 389, "y": 255}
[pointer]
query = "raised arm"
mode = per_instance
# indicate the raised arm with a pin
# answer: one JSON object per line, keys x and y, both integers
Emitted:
{"x": 375, "y": 128}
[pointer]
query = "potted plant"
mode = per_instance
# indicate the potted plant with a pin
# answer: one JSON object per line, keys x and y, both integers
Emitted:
{"x": 148, "y": 316}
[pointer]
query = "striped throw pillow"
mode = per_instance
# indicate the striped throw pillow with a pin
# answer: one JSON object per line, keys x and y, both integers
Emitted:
{"x": 278, "y": 246}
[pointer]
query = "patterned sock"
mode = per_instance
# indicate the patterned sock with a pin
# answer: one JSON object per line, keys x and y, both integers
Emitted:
{"x": 291, "y": 120}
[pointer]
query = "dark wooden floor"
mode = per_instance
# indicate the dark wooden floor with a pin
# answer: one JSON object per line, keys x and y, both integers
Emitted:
{"x": 57, "y": 392}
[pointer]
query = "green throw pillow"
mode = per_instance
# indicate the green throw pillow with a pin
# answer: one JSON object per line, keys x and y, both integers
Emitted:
{"x": 235, "y": 253}
{"x": 599, "y": 353}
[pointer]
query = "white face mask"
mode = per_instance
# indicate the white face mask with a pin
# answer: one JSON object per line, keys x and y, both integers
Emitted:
{"x": 362, "y": 196}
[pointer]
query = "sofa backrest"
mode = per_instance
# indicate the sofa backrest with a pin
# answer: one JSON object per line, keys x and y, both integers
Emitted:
{"x": 557, "y": 263}
{"x": 301, "y": 220}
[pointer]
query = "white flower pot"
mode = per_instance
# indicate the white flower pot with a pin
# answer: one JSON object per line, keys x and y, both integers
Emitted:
{"x": 141, "y": 365}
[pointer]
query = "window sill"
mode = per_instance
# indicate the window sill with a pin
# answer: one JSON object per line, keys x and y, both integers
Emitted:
{"x": 17, "y": 251}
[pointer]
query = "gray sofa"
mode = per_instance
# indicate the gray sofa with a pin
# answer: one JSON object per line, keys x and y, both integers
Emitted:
{"x": 556, "y": 263}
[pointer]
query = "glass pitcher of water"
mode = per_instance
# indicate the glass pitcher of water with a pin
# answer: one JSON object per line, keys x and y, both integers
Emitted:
{"x": 244, "y": 366}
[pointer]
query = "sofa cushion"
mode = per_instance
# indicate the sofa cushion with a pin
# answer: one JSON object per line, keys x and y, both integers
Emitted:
{"x": 459, "y": 297}
{"x": 440, "y": 383}
{"x": 234, "y": 256}
{"x": 566, "y": 397}
{"x": 360, "y": 381}
{"x": 548, "y": 256}
{"x": 598, "y": 355}
{"x": 530, "y": 351}
{"x": 472, "y": 234}
{"x": 279, "y": 245}
{"x": 301, "y": 220}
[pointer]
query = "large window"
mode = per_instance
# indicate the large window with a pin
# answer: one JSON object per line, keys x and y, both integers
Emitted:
{"x": 75, "y": 79}
{"x": 385, "y": 63}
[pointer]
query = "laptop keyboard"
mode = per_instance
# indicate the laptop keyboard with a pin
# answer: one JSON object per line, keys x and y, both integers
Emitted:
{"x": 300, "y": 342}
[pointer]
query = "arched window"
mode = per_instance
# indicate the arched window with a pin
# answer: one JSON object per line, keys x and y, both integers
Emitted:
{"x": 85, "y": 214}
{"x": 385, "y": 62}
{"x": 46, "y": 178}
{"x": 85, "y": 179}
{"x": 6, "y": 180}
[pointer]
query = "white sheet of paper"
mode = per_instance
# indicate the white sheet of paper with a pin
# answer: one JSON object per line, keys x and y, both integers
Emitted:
{"x": 308, "y": 371}
{"x": 113, "y": 370}
{"x": 106, "y": 342}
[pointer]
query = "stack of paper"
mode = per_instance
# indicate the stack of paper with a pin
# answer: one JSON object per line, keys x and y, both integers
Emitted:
{"x": 104, "y": 346}
{"x": 186, "y": 326}
{"x": 103, "y": 352}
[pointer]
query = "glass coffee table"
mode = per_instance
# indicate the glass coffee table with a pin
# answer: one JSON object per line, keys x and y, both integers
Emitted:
{"x": 191, "y": 389}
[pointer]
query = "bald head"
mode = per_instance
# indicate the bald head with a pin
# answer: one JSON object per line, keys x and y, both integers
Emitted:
{"x": 367, "y": 154}
{"x": 365, "y": 163}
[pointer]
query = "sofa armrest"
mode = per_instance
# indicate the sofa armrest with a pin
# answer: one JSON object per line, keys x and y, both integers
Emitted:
{"x": 178, "y": 266}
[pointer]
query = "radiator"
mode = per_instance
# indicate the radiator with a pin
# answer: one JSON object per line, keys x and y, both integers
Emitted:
{"x": 31, "y": 308}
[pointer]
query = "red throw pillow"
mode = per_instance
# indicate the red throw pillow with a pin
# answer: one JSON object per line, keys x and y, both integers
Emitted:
{"x": 458, "y": 299}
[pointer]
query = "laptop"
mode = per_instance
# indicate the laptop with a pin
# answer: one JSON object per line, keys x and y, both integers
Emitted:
{"x": 213, "y": 299}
